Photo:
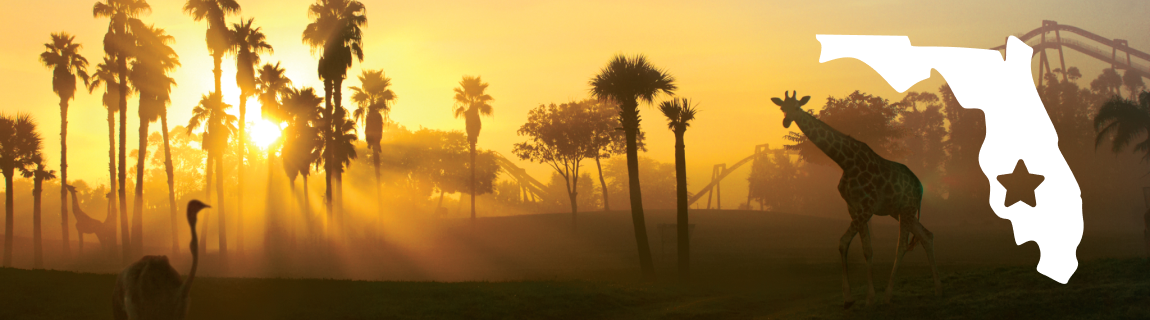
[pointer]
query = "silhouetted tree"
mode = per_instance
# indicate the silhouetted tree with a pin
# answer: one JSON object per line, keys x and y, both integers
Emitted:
{"x": 924, "y": 140}
{"x": 336, "y": 31}
{"x": 773, "y": 181}
{"x": 373, "y": 96}
{"x": 272, "y": 86}
{"x": 119, "y": 43}
{"x": 1108, "y": 81}
{"x": 1121, "y": 121}
{"x": 149, "y": 76}
{"x": 680, "y": 113}
{"x": 339, "y": 147}
{"x": 19, "y": 149}
{"x": 561, "y": 136}
{"x": 608, "y": 138}
{"x": 62, "y": 54}
{"x": 303, "y": 142}
{"x": 1133, "y": 82}
{"x": 106, "y": 74}
{"x": 470, "y": 102}
{"x": 38, "y": 176}
{"x": 218, "y": 37}
{"x": 211, "y": 113}
{"x": 248, "y": 44}
{"x": 626, "y": 80}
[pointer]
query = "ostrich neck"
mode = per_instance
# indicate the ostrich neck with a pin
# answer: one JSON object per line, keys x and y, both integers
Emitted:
{"x": 186, "y": 287}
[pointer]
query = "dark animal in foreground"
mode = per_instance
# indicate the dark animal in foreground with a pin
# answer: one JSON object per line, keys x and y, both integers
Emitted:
{"x": 151, "y": 288}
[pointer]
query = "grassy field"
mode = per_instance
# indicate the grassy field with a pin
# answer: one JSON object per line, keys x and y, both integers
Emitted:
{"x": 1101, "y": 289}
{"x": 745, "y": 265}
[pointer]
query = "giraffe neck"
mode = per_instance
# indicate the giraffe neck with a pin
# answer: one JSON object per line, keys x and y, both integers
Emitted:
{"x": 76, "y": 205}
{"x": 836, "y": 145}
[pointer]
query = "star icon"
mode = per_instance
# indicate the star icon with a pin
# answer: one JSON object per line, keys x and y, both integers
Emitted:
{"x": 1020, "y": 185}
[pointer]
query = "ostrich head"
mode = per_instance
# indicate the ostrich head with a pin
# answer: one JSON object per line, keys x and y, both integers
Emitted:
{"x": 194, "y": 207}
{"x": 789, "y": 106}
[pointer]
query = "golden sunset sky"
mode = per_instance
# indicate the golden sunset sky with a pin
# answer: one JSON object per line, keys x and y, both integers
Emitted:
{"x": 730, "y": 56}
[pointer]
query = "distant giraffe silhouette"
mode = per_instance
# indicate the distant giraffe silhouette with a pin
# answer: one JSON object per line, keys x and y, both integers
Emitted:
{"x": 871, "y": 186}
{"x": 104, "y": 231}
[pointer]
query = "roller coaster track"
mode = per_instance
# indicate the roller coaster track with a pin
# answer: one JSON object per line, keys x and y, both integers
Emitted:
{"x": 1092, "y": 46}
{"x": 719, "y": 176}
{"x": 522, "y": 178}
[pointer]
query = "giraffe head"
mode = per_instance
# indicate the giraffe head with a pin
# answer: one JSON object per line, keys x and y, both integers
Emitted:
{"x": 70, "y": 188}
{"x": 790, "y": 105}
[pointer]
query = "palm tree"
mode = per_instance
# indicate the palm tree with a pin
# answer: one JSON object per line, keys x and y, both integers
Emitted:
{"x": 149, "y": 76}
{"x": 118, "y": 43}
{"x": 626, "y": 80}
{"x": 680, "y": 113}
{"x": 19, "y": 147}
{"x": 211, "y": 113}
{"x": 470, "y": 103}
{"x": 63, "y": 56}
{"x": 303, "y": 142}
{"x": 272, "y": 86}
{"x": 218, "y": 41}
{"x": 217, "y": 37}
{"x": 340, "y": 148}
{"x": 373, "y": 97}
{"x": 1123, "y": 121}
{"x": 336, "y": 30}
{"x": 106, "y": 74}
{"x": 249, "y": 43}
{"x": 38, "y": 176}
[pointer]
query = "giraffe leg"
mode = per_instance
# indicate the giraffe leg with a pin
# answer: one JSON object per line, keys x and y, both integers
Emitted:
{"x": 927, "y": 240}
{"x": 844, "y": 244}
{"x": 868, "y": 253}
{"x": 900, "y": 251}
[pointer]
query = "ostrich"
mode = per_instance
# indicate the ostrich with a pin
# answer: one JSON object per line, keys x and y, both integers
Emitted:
{"x": 151, "y": 288}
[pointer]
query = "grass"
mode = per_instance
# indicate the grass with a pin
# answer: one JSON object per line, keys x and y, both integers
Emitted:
{"x": 1101, "y": 289}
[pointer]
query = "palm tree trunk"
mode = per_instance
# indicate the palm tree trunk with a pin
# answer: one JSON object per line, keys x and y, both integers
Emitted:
{"x": 138, "y": 202}
{"x": 378, "y": 187}
{"x": 208, "y": 171}
{"x": 337, "y": 100}
{"x": 243, "y": 153}
{"x": 307, "y": 210}
{"x": 631, "y": 128}
{"x": 37, "y": 245}
{"x": 111, "y": 218}
{"x": 63, "y": 179}
{"x": 473, "y": 184}
{"x": 329, "y": 157}
{"x": 603, "y": 183}
{"x": 272, "y": 223}
{"x": 684, "y": 243}
{"x": 126, "y": 248}
{"x": 8, "y": 218}
{"x": 220, "y": 196}
{"x": 171, "y": 184}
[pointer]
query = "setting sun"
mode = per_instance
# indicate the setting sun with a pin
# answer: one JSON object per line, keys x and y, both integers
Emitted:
{"x": 264, "y": 133}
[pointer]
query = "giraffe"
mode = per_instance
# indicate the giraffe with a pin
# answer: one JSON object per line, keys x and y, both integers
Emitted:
{"x": 104, "y": 231}
{"x": 871, "y": 186}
